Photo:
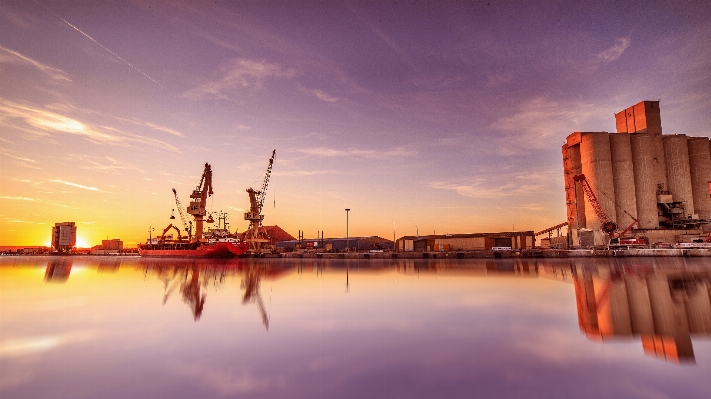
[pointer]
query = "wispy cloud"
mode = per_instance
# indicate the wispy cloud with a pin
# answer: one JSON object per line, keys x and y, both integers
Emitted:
{"x": 43, "y": 121}
{"x": 323, "y": 96}
{"x": 8, "y": 56}
{"x": 68, "y": 183}
{"x": 24, "y": 162}
{"x": 296, "y": 173}
{"x": 105, "y": 163}
{"x": 353, "y": 152}
{"x": 239, "y": 73}
{"x": 539, "y": 123}
{"x": 613, "y": 53}
{"x": 503, "y": 185}
{"x": 9, "y": 197}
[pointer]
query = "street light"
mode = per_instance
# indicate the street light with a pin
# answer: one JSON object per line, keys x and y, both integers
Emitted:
{"x": 348, "y": 247}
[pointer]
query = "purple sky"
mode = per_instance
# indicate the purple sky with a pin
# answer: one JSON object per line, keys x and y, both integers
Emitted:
{"x": 447, "y": 116}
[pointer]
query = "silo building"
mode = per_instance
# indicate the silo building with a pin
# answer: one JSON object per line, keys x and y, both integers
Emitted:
{"x": 657, "y": 185}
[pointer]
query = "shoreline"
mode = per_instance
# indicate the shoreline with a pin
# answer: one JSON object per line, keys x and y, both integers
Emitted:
{"x": 530, "y": 253}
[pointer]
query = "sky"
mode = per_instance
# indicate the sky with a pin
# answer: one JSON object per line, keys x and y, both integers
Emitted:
{"x": 420, "y": 117}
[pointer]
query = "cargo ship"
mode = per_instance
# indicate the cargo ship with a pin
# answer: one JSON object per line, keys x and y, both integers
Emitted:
{"x": 218, "y": 249}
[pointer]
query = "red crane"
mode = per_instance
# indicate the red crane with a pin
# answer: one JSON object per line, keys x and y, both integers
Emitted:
{"x": 608, "y": 226}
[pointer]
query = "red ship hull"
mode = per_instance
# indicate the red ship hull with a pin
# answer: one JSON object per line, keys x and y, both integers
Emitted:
{"x": 193, "y": 250}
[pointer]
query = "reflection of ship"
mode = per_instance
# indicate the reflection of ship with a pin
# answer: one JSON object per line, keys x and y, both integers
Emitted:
{"x": 664, "y": 306}
{"x": 214, "y": 244}
{"x": 58, "y": 270}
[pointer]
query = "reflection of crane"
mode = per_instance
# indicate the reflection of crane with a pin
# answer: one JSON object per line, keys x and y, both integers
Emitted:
{"x": 198, "y": 200}
{"x": 608, "y": 226}
{"x": 250, "y": 283}
{"x": 191, "y": 290}
{"x": 188, "y": 228}
{"x": 256, "y": 235}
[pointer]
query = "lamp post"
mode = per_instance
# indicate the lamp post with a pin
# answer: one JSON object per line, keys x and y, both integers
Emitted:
{"x": 348, "y": 247}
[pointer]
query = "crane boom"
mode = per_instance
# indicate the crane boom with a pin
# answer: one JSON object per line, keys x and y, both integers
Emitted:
{"x": 608, "y": 226}
{"x": 265, "y": 183}
{"x": 182, "y": 214}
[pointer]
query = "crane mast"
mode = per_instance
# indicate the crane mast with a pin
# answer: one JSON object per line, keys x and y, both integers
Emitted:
{"x": 256, "y": 234}
{"x": 198, "y": 200}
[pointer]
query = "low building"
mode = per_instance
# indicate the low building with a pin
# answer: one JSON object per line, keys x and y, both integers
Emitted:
{"x": 338, "y": 244}
{"x": 468, "y": 242}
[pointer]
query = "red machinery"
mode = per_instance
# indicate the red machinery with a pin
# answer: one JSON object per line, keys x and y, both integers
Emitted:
{"x": 608, "y": 226}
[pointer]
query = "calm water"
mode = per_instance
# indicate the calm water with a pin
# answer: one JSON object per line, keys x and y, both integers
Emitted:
{"x": 76, "y": 327}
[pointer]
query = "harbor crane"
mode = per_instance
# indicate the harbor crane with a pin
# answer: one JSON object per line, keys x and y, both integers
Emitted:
{"x": 256, "y": 235}
{"x": 198, "y": 200}
{"x": 188, "y": 227}
{"x": 608, "y": 226}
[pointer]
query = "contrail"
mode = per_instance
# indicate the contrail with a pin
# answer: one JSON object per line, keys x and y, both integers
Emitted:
{"x": 102, "y": 46}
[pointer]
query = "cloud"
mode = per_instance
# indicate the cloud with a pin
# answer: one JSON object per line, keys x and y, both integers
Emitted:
{"x": 373, "y": 154}
{"x": 44, "y": 122}
{"x": 68, "y": 183}
{"x": 307, "y": 172}
{"x": 481, "y": 188}
{"x": 540, "y": 123}
{"x": 236, "y": 74}
{"x": 614, "y": 52}
{"x": 98, "y": 163}
{"x": 323, "y": 96}
{"x": 9, "y": 197}
{"x": 25, "y": 162}
{"x": 502, "y": 185}
{"x": 8, "y": 56}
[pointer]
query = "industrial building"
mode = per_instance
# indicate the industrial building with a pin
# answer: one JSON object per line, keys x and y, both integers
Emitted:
{"x": 467, "y": 242}
{"x": 649, "y": 184}
{"x": 64, "y": 236}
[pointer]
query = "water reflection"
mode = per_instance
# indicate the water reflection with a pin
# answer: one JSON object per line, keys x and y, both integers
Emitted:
{"x": 58, "y": 270}
{"x": 661, "y": 302}
{"x": 251, "y": 275}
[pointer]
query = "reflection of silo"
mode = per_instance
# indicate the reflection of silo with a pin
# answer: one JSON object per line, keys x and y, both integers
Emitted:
{"x": 678, "y": 176}
{"x": 623, "y": 176}
{"x": 700, "y": 171}
{"x": 596, "y": 161}
{"x": 645, "y": 181}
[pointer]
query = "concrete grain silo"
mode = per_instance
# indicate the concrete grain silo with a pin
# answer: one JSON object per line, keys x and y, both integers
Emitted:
{"x": 638, "y": 173}
{"x": 676, "y": 153}
{"x": 700, "y": 171}
{"x": 596, "y": 162}
{"x": 645, "y": 180}
{"x": 623, "y": 177}
{"x": 575, "y": 198}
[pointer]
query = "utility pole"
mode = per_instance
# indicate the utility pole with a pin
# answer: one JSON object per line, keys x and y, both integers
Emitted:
{"x": 348, "y": 246}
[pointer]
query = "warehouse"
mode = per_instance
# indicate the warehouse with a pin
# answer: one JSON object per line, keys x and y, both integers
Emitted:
{"x": 467, "y": 242}
{"x": 656, "y": 185}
